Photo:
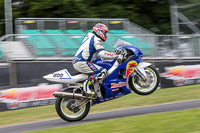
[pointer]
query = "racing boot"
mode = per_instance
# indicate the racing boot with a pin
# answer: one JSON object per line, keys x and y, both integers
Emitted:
{"x": 96, "y": 80}
{"x": 99, "y": 76}
{"x": 87, "y": 87}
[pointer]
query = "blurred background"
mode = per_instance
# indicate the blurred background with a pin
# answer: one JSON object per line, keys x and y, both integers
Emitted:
{"x": 150, "y": 14}
{"x": 42, "y": 36}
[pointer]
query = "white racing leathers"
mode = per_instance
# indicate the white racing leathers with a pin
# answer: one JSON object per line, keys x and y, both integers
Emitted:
{"x": 91, "y": 46}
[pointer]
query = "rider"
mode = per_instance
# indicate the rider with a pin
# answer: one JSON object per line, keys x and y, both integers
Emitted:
{"x": 92, "y": 45}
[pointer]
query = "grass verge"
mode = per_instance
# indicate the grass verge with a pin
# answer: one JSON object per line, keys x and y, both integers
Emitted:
{"x": 171, "y": 122}
{"x": 132, "y": 100}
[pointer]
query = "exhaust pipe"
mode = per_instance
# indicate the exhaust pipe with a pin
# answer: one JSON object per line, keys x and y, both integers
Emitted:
{"x": 69, "y": 95}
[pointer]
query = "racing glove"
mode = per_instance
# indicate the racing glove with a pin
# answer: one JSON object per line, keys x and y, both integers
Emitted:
{"x": 120, "y": 57}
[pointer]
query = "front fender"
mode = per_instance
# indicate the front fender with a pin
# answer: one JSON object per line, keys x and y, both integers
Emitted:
{"x": 140, "y": 69}
{"x": 143, "y": 65}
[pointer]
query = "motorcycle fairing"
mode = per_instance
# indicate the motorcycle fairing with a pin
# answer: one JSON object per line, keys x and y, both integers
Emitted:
{"x": 116, "y": 86}
{"x": 63, "y": 76}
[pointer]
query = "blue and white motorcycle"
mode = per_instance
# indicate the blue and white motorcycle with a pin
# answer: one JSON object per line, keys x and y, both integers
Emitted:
{"x": 124, "y": 77}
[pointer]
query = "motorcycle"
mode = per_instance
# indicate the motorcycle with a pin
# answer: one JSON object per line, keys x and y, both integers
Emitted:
{"x": 124, "y": 76}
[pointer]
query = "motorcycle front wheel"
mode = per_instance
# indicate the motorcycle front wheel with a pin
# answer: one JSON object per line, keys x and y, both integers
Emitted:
{"x": 64, "y": 108}
{"x": 148, "y": 86}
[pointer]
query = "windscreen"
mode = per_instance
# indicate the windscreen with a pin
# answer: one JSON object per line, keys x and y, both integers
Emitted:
{"x": 120, "y": 43}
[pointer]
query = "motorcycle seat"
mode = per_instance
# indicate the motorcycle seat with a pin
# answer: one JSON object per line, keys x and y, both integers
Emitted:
{"x": 74, "y": 72}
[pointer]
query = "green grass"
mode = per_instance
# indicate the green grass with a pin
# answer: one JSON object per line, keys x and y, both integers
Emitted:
{"x": 160, "y": 96}
{"x": 186, "y": 121}
{"x": 129, "y": 101}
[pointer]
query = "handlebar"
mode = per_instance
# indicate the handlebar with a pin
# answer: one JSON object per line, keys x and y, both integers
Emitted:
{"x": 119, "y": 51}
{"x": 124, "y": 54}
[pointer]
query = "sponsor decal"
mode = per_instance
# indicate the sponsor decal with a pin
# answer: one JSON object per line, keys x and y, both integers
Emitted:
{"x": 107, "y": 60}
{"x": 109, "y": 54}
{"x": 59, "y": 75}
{"x": 114, "y": 90}
{"x": 76, "y": 58}
{"x": 130, "y": 67}
{"x": 183, "y": 74}
{"x": 120, "y": 84}
{"x": 30, "y": 96}
{"x": 107, "y": 99}
{"x": 92, "y": 66}
{"x": 62, "y": 74}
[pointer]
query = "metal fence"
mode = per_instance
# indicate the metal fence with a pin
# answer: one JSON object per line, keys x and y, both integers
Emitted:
{"x": 77, "y": 24}
{"x": 66, "y": 23}
{"x": 58, "y": 46}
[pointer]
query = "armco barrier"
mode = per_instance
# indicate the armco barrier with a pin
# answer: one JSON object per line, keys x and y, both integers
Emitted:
{"x": 32, "y": 72}
{"x": 172, "y": 72}
{"x": 4, "y": 76}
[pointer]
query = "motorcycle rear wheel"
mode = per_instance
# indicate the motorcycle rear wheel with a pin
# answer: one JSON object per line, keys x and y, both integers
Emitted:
{"x": 152, "y": 75}
{"x": 65, "y": 112}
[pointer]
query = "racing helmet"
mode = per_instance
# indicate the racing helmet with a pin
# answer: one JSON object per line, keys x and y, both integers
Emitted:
{"x": 100, "y": 30}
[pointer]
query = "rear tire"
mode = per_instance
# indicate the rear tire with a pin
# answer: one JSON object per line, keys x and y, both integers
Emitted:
{"x": 153, "y": 75}
{"x": 63, "y": 109}
{"x": 70, "y": 117}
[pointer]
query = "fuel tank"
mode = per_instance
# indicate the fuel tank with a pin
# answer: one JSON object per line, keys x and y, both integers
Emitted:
{"x": 105, "y": 63}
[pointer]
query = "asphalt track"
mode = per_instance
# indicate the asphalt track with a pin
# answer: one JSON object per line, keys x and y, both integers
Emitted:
{"x": 103, "y": 116}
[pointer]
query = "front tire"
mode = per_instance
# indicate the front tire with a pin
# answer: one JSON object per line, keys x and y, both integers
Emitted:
{"x": 149, "y": 85}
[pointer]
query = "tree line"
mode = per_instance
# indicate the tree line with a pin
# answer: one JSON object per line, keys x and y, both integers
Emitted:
{"x": 153, "y": 15}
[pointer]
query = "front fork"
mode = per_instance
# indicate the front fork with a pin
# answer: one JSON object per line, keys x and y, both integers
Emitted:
{"x": 140, "y": 70}
{"x": 140, "y": 74}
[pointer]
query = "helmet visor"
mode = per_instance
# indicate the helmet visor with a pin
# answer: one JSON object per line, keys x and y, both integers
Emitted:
{"x": 106, "y": 34}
